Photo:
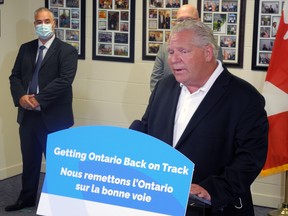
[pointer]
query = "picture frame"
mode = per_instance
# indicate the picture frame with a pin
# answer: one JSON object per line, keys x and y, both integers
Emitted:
{"x": 1, "y": 1}
{"x": 70, "y": 22}
{"x": 226, "y": 19}
{"x": 266, "y": 21}
{"x": 158, "y": 19}
{"x": 113, "y": 30}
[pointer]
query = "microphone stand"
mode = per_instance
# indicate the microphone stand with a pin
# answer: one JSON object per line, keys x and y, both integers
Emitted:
{"x": 284, "y": 210}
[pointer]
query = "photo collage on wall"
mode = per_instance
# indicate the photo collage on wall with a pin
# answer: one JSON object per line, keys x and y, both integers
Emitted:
{"x": 269, "y": 18}
{"x": 222, "y": 16}
{"x": 113, "y": 27}
{"x": 67, "y": 15}
{"x": 160, "y": 18}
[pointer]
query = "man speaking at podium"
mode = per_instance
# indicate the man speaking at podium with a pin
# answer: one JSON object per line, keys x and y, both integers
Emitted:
{"x": 214, "y": 118}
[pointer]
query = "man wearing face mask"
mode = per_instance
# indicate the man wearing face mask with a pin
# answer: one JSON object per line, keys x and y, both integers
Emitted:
{"x": 43, "y": 94}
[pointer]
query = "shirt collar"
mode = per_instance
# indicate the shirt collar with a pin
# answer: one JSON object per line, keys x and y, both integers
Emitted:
{"x": 211, "y": 80}
{"x": 48, "y": 43}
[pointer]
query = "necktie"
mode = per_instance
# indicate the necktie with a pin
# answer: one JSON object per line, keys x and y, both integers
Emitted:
{"x": 34, "y": 82}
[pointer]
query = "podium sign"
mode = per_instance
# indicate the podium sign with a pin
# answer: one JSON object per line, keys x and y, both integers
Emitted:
{"x": 104, "y": 170}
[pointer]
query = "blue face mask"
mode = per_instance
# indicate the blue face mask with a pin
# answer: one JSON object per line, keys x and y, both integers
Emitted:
{"x": 44, "y": 31}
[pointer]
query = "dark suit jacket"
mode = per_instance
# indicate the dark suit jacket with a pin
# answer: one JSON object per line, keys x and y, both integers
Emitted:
{"x": 56, "y": 75}
{"x": 226, "y": 138}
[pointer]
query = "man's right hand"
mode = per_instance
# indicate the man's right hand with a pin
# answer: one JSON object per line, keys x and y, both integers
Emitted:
{"x": 26, "y": 103}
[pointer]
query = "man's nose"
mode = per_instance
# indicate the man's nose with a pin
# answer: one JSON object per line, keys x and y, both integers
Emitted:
{"x": 175, "y": 57}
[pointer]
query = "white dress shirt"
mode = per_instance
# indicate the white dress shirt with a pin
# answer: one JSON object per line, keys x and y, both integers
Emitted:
{"x": 188, "y": 104}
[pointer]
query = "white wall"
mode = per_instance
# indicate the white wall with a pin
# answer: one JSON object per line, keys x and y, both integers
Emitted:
{"x": 105, "y": 93}
{"x": 16, "y": 28}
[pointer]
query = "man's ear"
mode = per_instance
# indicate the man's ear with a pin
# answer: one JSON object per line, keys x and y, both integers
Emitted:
{"x": 53, "y": 24}
{"x": 208, "y": 53}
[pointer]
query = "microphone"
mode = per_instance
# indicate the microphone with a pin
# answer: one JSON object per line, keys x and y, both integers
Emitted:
{"x": 138, "y": 126}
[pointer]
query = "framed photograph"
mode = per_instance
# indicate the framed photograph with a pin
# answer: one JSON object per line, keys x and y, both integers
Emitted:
{"x": 70, "y": 22}
{"x": 1, "y": 1}
{"x": 113, "y": 30}
{"x": 159, "y": 16}
{"x": 266, "y": 22}
{"x": 226, "y": 18}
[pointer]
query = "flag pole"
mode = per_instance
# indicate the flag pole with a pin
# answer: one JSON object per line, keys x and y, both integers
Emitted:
{"x": 284, "y": 209}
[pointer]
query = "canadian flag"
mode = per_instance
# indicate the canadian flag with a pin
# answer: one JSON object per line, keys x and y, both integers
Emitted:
{"x": 275, "y": 91}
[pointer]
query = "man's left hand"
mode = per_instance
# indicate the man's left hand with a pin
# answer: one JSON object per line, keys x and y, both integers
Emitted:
{"x": 200, "y": 191}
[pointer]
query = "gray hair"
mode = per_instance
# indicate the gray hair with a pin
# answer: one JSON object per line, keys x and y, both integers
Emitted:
{"x": 203, "y": 34}
{"x": 43, "y": 9}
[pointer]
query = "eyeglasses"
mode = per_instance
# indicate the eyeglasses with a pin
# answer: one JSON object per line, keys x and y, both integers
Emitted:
{"x": 185, "y": 19}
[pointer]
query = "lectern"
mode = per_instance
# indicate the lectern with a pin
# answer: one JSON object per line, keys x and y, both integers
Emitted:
{"x": 197, "y": 206}
{"x": 106, "y": 169}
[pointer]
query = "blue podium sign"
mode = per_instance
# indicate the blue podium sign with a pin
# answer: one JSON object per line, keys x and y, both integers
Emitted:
{"x": 105, "y": 170}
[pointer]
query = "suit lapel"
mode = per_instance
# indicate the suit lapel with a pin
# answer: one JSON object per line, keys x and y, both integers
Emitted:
{"x": 33, "y": 52}
{"x": 52, "y": 49}
{"x": 174, "y": 97}
{"x": 167, "y": 91}
{"x": 215, "y": 93}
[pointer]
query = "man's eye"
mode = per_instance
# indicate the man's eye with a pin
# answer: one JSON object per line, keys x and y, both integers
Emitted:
{"x": 38, "y": 22}
{"x": 184, "y": 51}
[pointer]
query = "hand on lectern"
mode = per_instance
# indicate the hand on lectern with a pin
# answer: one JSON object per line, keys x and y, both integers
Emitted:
{"x": 199, "y": 197}
{"x": 199, "y": 191}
